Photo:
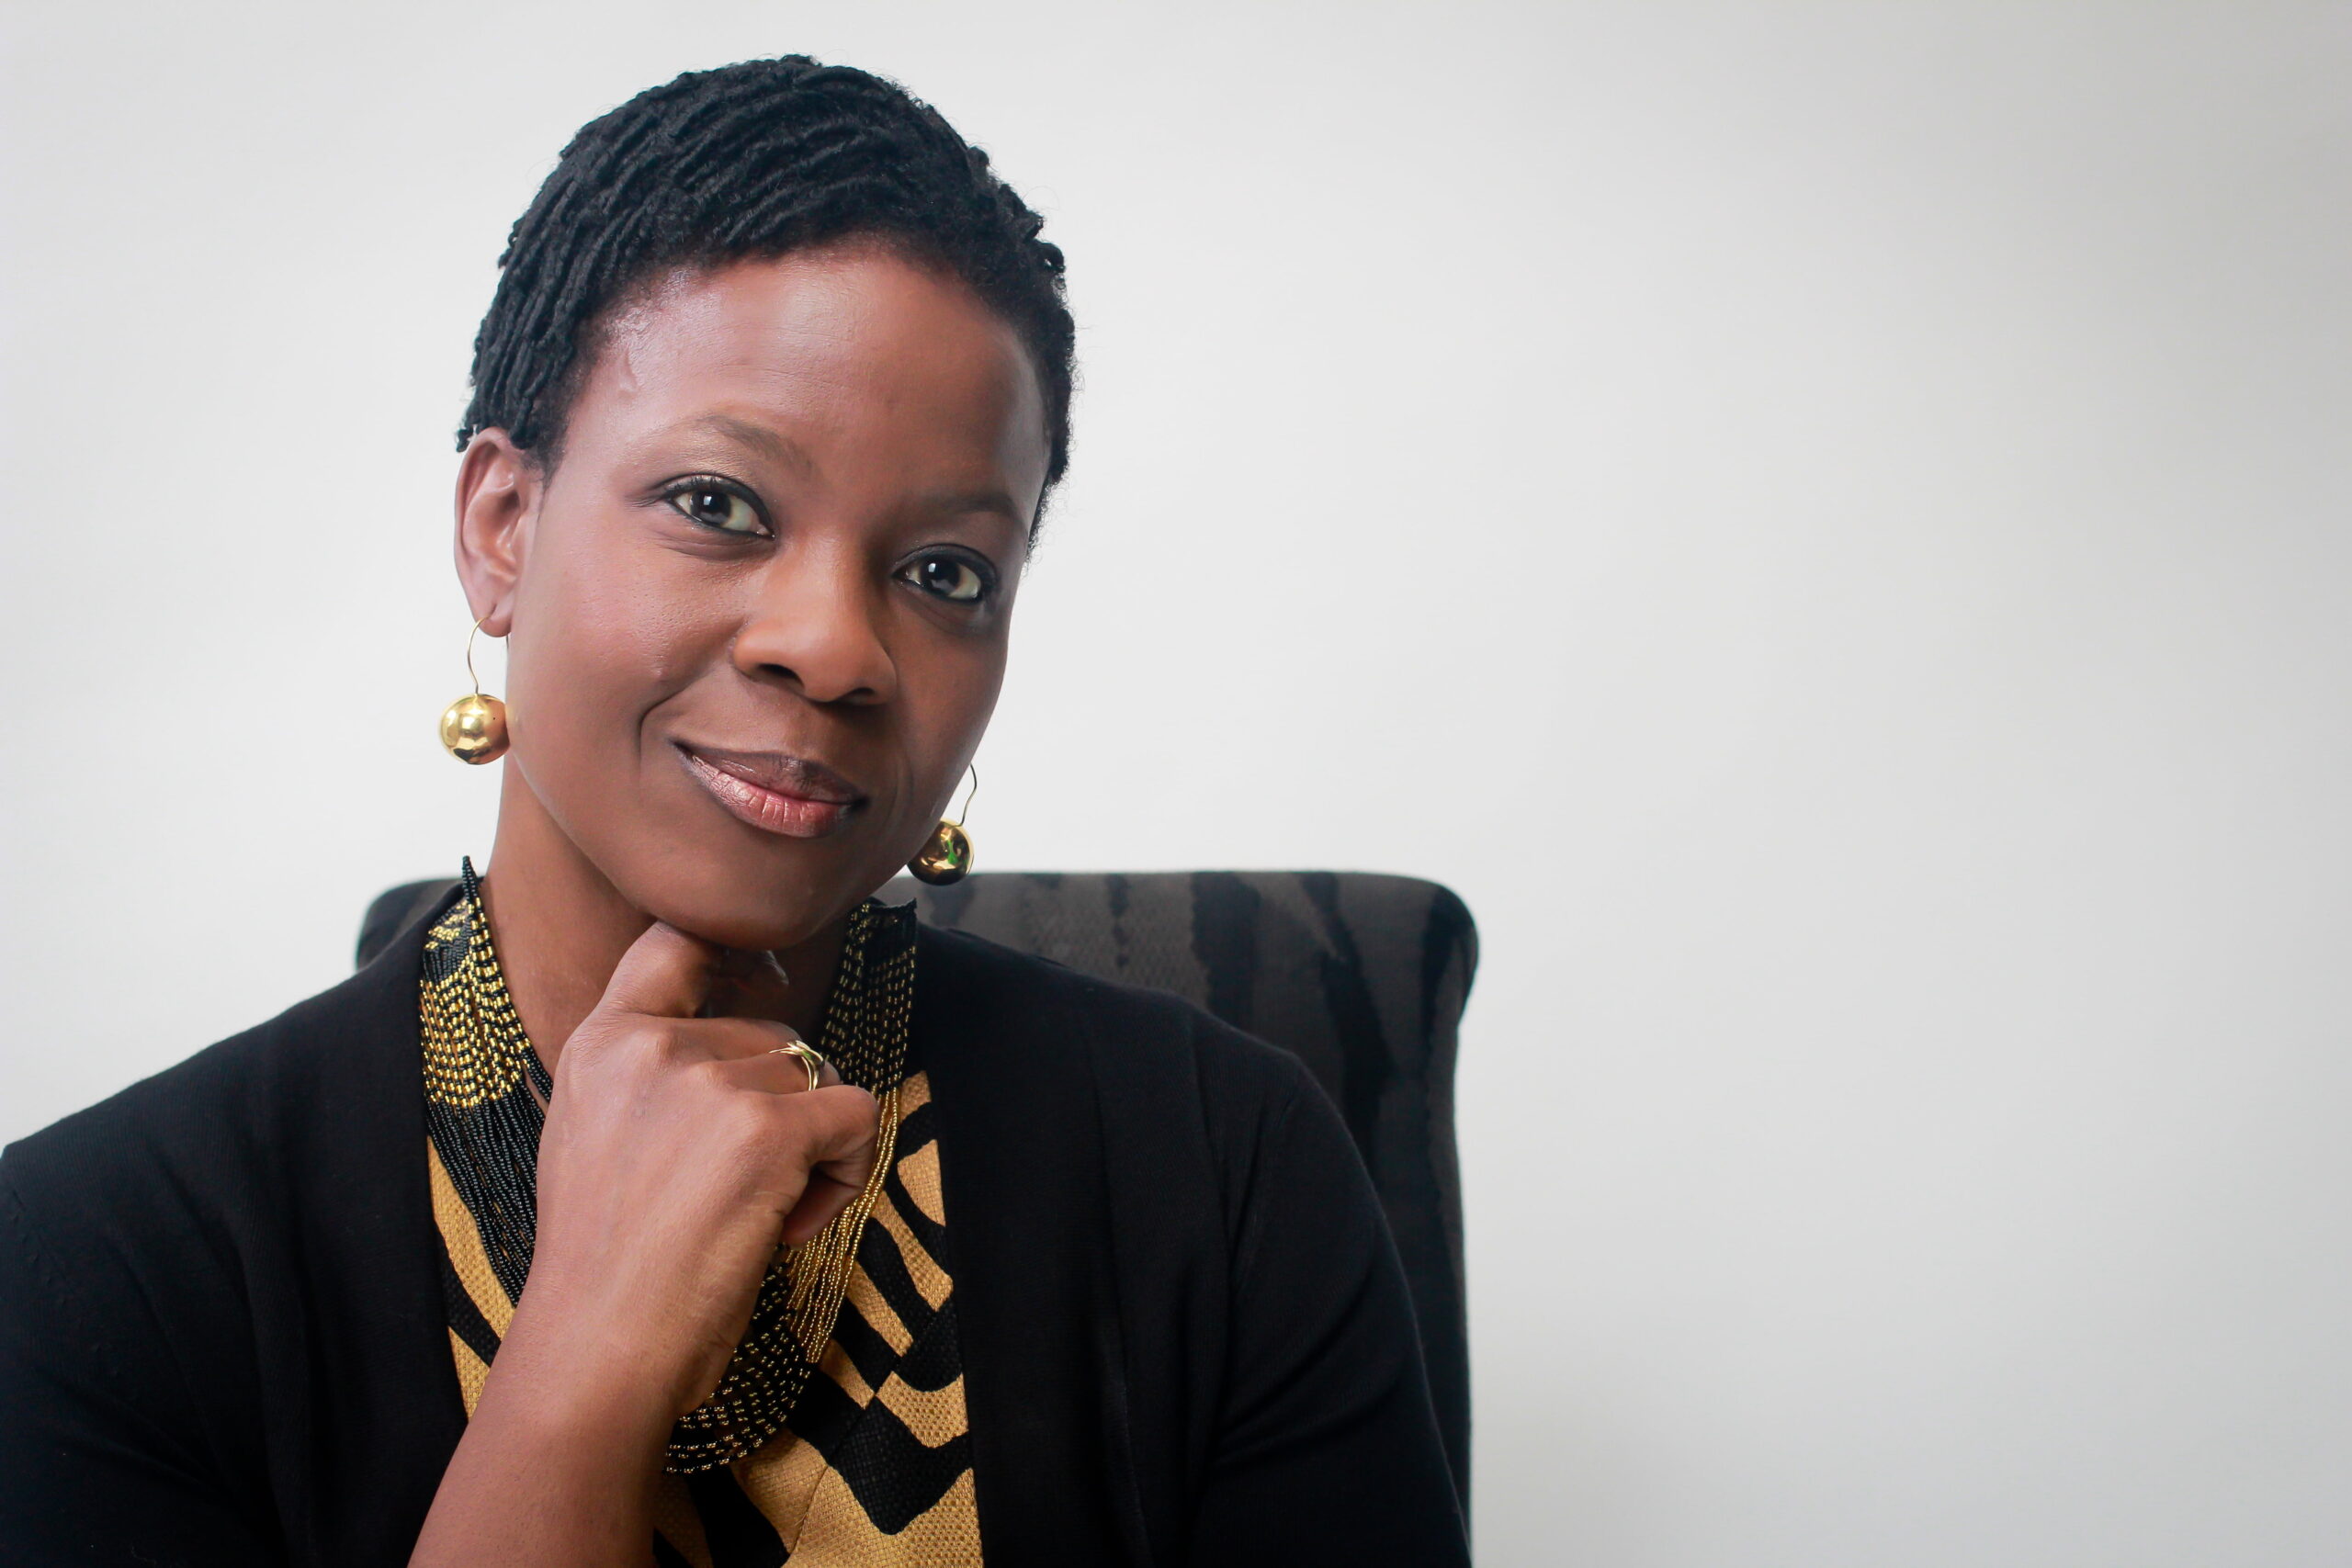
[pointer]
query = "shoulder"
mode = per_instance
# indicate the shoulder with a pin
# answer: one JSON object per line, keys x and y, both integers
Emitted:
{"x": 1136, "y": 1039}
{"x": 219, "y": 1284}
{"x": 1184, "y": 1114}
{"x": 189, "y": 1156}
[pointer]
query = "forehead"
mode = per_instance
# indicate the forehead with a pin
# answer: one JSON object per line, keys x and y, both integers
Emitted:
{"x": 855, "y": 353}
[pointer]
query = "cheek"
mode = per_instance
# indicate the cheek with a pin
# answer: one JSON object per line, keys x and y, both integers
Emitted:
{"x": 946, "y": 722}
{"x": 602, "y": 633}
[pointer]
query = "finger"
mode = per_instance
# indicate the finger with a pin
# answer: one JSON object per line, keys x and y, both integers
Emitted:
{"x": 664, "y": 974}
{"x": 837, "y": 1128}
{"x": 844, "y": 1136}
{"x": 822, "y": 1201}
{"x": 733, "y": 1039}
{"x": 776, "y": 1072}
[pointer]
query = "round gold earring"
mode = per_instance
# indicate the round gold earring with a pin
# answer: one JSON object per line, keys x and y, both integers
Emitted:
{"x": 474, "y": 727}
{"x": 946, "y": 855}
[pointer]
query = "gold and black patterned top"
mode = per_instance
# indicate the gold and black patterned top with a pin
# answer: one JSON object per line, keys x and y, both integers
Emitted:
{"x": 838, "y": 1435}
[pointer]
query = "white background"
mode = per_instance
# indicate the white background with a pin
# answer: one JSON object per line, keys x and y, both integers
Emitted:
{"x": 1827, "y": 524}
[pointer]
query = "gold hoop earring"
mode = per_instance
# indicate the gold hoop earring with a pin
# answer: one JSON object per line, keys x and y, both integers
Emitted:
{"x": 946, "y": 855}
{"x": 474, "y": 727}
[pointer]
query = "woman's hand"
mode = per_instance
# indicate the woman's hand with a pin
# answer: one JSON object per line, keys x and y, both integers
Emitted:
{"x": 680, "y": 1153}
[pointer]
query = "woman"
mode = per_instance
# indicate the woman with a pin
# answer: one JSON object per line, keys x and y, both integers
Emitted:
{"x": 545, "y": 1239}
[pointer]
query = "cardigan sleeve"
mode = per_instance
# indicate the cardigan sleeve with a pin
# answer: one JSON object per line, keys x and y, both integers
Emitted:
{"x": 1327, "y": 1450}
{"x": 91, "y": 1470}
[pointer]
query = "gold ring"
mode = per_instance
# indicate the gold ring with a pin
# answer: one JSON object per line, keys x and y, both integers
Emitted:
{"x": 806, "y": 1053}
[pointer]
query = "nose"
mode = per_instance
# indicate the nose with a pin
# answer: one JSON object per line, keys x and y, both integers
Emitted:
{"x": 814, "y": 628}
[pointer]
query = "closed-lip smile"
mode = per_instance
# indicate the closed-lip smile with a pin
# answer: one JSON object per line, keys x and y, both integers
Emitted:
{"x": 774, "y": 791}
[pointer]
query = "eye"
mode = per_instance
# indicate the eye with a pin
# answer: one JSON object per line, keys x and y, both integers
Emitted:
{"x": 952, "y": 577}
{"x": 715, "y": 504}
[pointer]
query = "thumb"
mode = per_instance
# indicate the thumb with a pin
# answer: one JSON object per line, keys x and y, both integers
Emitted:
{"x": 664, "y": 974}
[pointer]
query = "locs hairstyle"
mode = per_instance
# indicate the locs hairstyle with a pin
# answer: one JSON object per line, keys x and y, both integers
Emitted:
{"x": 753, "y": 160}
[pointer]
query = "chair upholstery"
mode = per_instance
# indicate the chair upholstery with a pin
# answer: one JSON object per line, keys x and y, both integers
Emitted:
{"x": 1363, "y": 977}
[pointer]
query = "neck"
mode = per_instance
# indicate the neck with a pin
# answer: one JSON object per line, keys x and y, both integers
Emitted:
{"x": 560, "y": 927}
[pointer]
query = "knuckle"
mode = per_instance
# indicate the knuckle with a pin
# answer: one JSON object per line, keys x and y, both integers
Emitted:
{"x": 591, "y": 1038}
{"x": 624, "y": 1034}
{"x": 710, "y": 1075}
{"x": 750, "y": 1115}
{"x": 756, "y": 1035}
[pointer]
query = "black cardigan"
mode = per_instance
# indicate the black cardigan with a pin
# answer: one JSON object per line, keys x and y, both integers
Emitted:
{"x": 1184, "y": 1333}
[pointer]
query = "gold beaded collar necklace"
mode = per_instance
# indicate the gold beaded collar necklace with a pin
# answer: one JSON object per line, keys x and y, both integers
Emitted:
{"x": 484, "y": 1092}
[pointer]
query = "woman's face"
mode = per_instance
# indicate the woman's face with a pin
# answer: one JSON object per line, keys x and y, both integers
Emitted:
{"x": 757, "y": 611}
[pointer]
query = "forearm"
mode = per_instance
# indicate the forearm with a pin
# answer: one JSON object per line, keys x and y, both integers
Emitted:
{"x": 557, "y": 1468}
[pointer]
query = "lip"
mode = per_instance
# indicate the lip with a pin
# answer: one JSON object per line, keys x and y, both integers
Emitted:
{"x": 775, "y": 792}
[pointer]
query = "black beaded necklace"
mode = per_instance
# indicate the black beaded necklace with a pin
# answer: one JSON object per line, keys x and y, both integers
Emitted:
{"x": 485, "y": 1089}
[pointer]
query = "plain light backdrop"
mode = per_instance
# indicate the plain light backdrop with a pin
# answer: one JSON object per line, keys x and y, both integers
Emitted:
{"x": 1826, "y": 524}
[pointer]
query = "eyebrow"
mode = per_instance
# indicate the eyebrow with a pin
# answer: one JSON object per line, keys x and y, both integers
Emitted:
{"x": 759, "y": 439}
{"x": 989, "y": 498}
{"x": 781, "y": 448}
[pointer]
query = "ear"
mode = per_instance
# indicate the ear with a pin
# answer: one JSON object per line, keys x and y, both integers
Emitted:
{"x": 499, "y": 488}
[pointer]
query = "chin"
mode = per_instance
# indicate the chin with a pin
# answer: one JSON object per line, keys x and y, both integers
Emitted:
{"x": 724, "y": 905}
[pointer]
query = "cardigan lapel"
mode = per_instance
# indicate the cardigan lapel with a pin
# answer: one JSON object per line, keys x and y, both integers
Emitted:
{"x": 1028, "y": 1215}
{"x": 381, "y": 1406}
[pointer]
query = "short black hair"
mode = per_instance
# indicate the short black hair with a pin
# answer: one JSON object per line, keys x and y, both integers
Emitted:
{"x": 757, "y": 159}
